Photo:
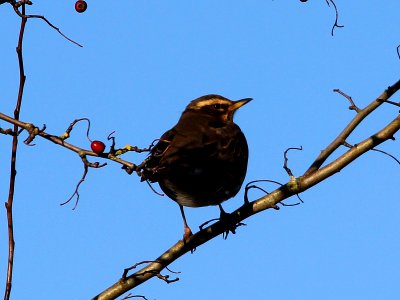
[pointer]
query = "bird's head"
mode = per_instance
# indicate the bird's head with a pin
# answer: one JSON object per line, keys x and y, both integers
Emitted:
{"x": 218, "y": 106}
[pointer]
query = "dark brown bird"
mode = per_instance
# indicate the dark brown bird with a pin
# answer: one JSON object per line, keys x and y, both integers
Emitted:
{"x": 202, "y": 160}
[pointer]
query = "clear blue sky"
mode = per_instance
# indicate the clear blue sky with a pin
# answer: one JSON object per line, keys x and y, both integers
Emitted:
{"x": 141, "y": 63}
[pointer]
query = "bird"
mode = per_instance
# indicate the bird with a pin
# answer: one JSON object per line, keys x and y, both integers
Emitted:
{"x": 202, "y": 160}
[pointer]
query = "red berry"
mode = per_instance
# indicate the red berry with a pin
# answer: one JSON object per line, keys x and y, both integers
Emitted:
{"x": 80, "y": 6}
{"x": 97, "y": 147}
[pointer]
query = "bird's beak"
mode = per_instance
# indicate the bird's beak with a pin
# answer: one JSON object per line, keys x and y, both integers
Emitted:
{"x": 239, "y": 103}
{"x": 234, "y": 106}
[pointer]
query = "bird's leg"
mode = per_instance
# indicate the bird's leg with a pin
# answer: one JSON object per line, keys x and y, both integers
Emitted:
{"x": 223, "y": 214}
{"x": 224, "y": 217}
{"x": 187, "y": 232}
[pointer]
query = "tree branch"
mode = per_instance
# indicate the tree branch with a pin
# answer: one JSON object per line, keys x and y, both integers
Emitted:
{"x": 361, "y": 115}
{"x": 298, "y": 185}
{"x": 61, "y": 141}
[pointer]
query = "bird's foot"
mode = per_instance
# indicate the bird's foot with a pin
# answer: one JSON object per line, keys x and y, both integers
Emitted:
{"x": 229, "y": 220}
{"x": 187, "y": 233}
{"x": 225, "y": 218}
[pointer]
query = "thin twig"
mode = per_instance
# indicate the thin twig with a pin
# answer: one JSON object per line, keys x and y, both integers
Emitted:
{"x": 86, "y": 165}
{"x": 352, "y": 106}
{"x": 130, "y": 296}
{"x": 76, "y": 192}
{"x": 22, "y": 15}
{"x": 377, "y": 150}
{"x": 392, "y": 102}
{"x": 388, "y": 154}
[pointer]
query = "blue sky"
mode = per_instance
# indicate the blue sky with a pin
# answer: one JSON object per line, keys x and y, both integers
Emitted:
{"x": 141, "y": 63}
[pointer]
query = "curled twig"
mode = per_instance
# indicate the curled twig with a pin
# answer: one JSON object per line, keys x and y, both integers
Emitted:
{"x": 337, "y": 16}
{"x": 250, "y": 186}
{"x": 67, "y": 132}
{"x": 287, "y": 169}
{"x": 289, "y": 172}
{"x": 388, "y": 154}
{"x": 111, "y": 138}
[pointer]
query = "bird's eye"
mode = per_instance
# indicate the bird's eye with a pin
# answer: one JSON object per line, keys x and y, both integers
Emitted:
{"x": 217, "y": 106}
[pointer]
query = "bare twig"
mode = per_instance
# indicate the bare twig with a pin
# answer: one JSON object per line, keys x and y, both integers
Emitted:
{"x": 23, "y": 15}
{"x": 352, "y": 106}
{"x": 13, "y": 170}
{"x": 126, "y": 271}
{"x": 377, "y": 150}
{"x": 341, "y": 138}
{"x": 388, "y": 154}
{"x": 7, "y": 131}
{"x": 76, "y": 192}
{"x": 250, "y": 185}
{"x": 86, "y": 165}
{"x": 130, "y": 296}
{"x": 155, "y": 273}
{"x": 33, "y": 132}
{"x": 392, "y": 102}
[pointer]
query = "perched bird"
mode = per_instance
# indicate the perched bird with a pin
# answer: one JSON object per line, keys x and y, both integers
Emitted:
{"x": 202, "y": 160}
